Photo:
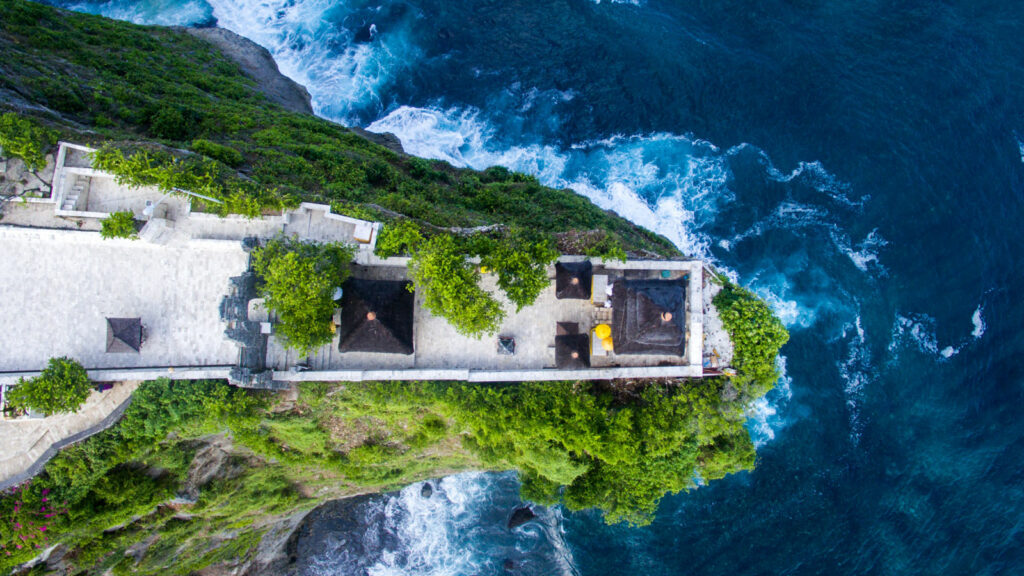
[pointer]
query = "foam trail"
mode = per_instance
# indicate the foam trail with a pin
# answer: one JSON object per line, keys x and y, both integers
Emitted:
{"x": 764, "y": 420}
{"x": 979, "y": 323}
{"x": 857, "y": 373}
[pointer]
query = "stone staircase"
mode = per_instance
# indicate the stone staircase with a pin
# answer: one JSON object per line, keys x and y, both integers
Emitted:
{"x": 71, "y": 200}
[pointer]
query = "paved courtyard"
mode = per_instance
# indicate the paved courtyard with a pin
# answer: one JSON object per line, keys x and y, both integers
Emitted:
{"x": 59, "y": 286}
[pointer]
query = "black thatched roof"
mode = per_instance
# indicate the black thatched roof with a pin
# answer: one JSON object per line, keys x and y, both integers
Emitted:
{"x": 376, "y": 316}
{"x": 569, "y": 344}
{"x": 573, "y": 280}
{"x": 124, "y": 335}
{"x": 641, "y": 321}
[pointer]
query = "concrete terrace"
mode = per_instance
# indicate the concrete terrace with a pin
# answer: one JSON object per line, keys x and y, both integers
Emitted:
{"x": 59, "y": 287}
{"x": 441, "y": 353}
{"x": 63, "y": 281}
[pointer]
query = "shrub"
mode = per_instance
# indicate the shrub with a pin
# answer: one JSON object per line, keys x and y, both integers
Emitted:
{"x": 298, "y": 282}
{"x": 520, "y": 260}
{"x": 225, "y": 154}
{"x": 119, "y": 225}
{"x": 23, "y": 138}
{"x": 62, "y": 387}
{"x": 450, "y": 287}
{"x": 400, "y": 237}
{"x": 608, "y": 247}
{"x": 756, "y": 334}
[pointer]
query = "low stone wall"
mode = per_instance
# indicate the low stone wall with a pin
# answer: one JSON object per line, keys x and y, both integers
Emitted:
{"x": 549, "y": 374}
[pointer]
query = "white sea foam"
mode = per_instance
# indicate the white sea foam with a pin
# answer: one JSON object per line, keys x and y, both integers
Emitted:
{"x": 857, "y": 372}
{"x": 312, "y": 47}
{"x": 764, "y": 420}
{"x": 686, "y": 177}
{"x": 979, "y": 323}
{"x": 917, "y": 330}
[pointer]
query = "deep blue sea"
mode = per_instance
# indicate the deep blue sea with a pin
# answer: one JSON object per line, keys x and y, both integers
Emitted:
{"x": 859, "y": 163}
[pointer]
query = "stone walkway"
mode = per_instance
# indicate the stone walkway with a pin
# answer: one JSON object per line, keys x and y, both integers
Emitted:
{"x": 24, "y": 441}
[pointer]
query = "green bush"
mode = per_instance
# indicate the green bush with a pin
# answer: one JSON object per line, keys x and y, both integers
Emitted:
{"x": 62, "y": 387}
{"x": 756, "y": 334}
{"x": 520, "y": 260}
{"x": 119, "y": 225}
{"x": 450, "y": 287}
{"x": 225, "y": 154}
{"x": 298, "y": 281}
{"x": 398, "y": 238}
{"x": 588, "y": 444}
{"x": 21, "y": 137}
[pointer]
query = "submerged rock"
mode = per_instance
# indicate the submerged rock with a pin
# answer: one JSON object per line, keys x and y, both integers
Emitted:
{"x": 427, "y": 491}
{"x": 520, "y": 516}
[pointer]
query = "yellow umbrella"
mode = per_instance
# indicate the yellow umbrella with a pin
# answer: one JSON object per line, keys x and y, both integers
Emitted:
{"x": 607, "y": 344}
{"x": 603, "y": 331}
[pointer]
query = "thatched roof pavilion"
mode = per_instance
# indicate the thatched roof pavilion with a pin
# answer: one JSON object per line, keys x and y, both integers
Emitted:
{"x": 649, "y": 317}
{"x": 376, "y": 316}
{"x": 573, "y": 280}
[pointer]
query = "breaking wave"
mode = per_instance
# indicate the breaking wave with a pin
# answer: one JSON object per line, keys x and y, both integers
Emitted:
{"x": 454, "y": 526}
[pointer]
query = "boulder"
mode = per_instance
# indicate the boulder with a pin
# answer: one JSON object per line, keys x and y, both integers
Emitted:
{"x": 520, "y": 516}
{"x": 427, "y": 491}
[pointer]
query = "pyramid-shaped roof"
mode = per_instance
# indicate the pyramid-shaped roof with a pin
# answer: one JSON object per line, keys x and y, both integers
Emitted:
{"x": 573, "y": 280}
{"x": 572, "y": 351}
{"x": 124, "y": 335}
{"x": 376, "y": 316}
{"x": 649, "y": 317}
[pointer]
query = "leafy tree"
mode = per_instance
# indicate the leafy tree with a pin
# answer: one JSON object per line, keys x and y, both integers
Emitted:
{"x": 298, "y": 282}
{"x": 62, "y": 387}
{"x": 756, "y": 334}
{"x": 520, "y": 260}
{"x": 119, "y": 225}
{"x": 397, "y": 238}
{"x": 450, "y": 287}
{"x": 23, "y": 138}
{"x": 591, "y": 445}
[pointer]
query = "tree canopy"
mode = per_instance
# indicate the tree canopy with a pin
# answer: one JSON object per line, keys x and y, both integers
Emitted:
{"x": 618, "y": 448}
{"x": 298, "y": 283}
{"x": 756, "y": 334}
{"x": 62, "y": 387}
{"x": 450, "y": 286}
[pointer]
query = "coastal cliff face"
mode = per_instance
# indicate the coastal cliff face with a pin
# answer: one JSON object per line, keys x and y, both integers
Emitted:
{"x": 257, "y": 63}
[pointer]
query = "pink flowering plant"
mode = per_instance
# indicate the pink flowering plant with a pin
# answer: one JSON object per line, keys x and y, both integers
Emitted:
{"x": 28, "y": 516}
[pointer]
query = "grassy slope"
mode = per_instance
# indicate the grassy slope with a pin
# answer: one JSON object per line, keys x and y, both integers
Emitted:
{"x": 109, "y": 81}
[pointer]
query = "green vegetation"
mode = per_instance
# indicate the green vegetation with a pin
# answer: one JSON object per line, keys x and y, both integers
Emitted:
{"x": 398, "y": 238}
{"x": 757, "y": 335}
{"x": 62, "y": 387}
{"x": 450, "y": 282}
{"x": 128, "y": 84}
{"x": 202, "y": 176}
{"x": 104, "y": 494}
{"x": 119, "y": 225}
{"x": 26, "y": 139}
{"x": 450, "y": 287}
{"x": 298, "y": 282}
{"x": 618, "y": 448}
{"x": 520, "y": 260}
